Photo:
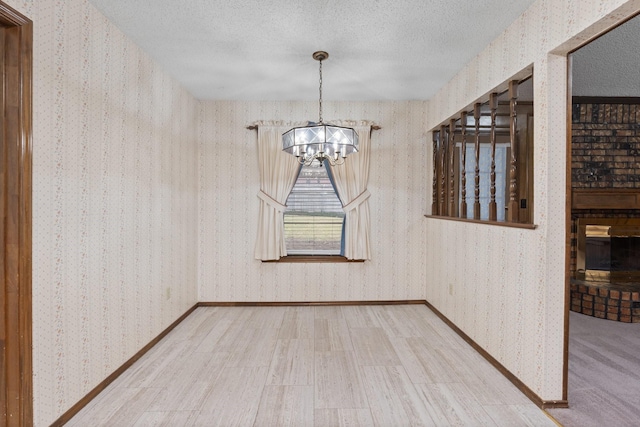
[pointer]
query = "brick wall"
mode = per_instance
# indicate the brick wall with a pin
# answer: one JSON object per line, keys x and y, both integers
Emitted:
{"x": 605, "y": 145}
{"x": 605, "y": 149}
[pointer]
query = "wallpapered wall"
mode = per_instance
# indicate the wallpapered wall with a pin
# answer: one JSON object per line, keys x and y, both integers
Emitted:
{"x": 120, "y": 210}
{"x": 228, "y": 207}
{"x": 114, "y": 204}
{"x": 509, "y": 297}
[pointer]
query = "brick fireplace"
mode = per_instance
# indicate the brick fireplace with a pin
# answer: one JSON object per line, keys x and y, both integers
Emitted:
{"x": 605, "y": 181}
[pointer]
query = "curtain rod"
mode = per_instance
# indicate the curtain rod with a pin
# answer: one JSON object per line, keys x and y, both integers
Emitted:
{"x": 255, "y": 127}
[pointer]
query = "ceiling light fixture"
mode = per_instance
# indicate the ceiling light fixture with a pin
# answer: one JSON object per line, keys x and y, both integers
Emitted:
{"x": 320, "y": 141}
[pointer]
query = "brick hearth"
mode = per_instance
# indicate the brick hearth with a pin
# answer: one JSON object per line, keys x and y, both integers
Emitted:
{"x": 607, "y": 301}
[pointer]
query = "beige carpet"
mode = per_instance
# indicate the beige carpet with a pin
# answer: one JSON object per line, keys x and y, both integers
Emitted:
{"x": 604, "y": 374}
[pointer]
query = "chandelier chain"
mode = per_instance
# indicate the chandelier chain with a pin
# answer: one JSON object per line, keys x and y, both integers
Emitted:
{"x": 320, "y": 90}
{"x": 319, "y": 142}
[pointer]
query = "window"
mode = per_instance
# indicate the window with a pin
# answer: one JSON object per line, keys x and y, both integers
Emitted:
{"x": 317, "y": 207}
{"x": 314, "y": 217}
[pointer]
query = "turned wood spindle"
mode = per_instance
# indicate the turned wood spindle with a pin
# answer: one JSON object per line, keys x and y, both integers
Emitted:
{"x": 452, "y": 170}
{"x": 434, "y": 195}
{"x": 513, "y": 206}
{"x": 463, "y": 173}
{"x": 493, "y": 208}
{"x": 476, "y": 200}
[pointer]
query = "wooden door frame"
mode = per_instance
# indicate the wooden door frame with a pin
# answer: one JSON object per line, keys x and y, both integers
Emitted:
{"x": 569, "y": 198}
{"x": 567, "y": 228}
{"x": 16, "y": 62}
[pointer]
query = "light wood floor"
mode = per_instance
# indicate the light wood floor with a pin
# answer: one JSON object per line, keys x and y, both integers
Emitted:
{"x": 304, "y": 366}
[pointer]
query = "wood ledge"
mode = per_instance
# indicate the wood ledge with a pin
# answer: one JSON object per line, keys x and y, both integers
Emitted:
{"x": 602, "y": 198}
{"x": 485, "y": 222}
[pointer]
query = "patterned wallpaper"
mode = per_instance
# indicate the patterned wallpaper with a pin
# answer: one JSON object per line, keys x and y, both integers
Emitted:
{"x": 114, "y": 201}
{"x": 140, "y": 192}
{"x": 228, "y": 207}
{"x": 509, "y": 297}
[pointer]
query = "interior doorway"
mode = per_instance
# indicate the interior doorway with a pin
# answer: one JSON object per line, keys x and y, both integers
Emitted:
{"x": 16, "y": 393}
{"x": 604, "y": 188}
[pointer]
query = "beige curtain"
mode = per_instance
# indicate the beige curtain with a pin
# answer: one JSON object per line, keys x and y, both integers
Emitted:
{"x": 278, "y": 173}
{"x": 351, "y": 181}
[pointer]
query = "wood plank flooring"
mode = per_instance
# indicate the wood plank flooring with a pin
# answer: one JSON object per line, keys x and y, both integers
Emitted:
{"x": 604, "y": 374}
{"x": 394, "y": 365}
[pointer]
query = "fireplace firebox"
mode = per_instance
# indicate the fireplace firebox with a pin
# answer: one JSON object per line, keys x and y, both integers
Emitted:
{"x": 608, "y": 249}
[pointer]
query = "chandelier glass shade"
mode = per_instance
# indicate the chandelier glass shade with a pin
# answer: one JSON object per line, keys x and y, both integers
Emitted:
{"x": 320, "y": 141}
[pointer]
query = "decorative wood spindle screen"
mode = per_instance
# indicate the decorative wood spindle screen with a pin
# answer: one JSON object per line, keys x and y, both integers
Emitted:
{"x": 434, "y": 185}
{"x": 443, "y": 182}
{"x": 498, "y": 156}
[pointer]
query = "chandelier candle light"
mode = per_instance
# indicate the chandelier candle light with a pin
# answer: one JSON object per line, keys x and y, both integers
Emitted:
{"x": 320, "y": 141}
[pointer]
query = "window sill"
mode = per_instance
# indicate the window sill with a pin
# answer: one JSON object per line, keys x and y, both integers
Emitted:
{"x": 485, "y": 222}
{"x": 314, "y": 258}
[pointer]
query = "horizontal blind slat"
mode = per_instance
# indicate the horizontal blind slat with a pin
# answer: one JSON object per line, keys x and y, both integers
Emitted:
{"x": 314, "y": 216}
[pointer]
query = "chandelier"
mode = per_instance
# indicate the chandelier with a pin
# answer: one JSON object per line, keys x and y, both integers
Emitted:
{"x": 320, "y": 141}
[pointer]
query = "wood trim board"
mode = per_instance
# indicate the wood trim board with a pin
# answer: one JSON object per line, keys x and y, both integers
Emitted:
{"x": 567, "y": 232}
{"x": 307, "y": 303}
{"x": 16, "y": 391}
{"x": 596, "y": 198}
{"x": 64, "y": 418}
{"x": 542, "y": 404}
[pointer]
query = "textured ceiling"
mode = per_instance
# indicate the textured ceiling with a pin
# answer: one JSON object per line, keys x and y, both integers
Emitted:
{"x": 609, "y": 65}
{"x": 261, "y": 50}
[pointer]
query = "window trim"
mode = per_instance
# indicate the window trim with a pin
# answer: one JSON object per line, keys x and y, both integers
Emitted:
{"x": 324, "y": 166}
{"x": 314, "y": 259}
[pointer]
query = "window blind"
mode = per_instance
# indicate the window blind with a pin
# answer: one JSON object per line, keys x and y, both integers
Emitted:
{"x": 314, "y": 217}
